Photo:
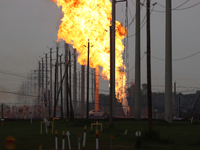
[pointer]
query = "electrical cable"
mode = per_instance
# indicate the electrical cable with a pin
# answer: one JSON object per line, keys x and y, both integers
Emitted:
{"x": 177, "y": 58}
{"x": 12, "y": 73}
{"x": 189, "y": 6}
{"x": 140, "y": 60}
{"x": 174, "y": 7}
{"x": 177, "y": 8}
{"x": 134, "y": 17}
{"x": 142, "y": 22}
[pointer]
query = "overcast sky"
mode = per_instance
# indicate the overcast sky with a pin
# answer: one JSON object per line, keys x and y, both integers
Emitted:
{"x": 27, "y": 27}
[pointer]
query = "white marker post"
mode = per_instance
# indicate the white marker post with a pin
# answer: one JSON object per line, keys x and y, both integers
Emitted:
{"x": 45, "y": 120}
{"x": 56, "y": 140}
{"x": 97, "y": 140}
{"x": 138, "y": 133}
{"x": 79, "y": 141}
{"x": 138, "y": 142}
{"x": 2, "y": 120}
{"x": 68, "y": 134}
{"x": 63, "y": 141}
{"x": 84, "y": 136}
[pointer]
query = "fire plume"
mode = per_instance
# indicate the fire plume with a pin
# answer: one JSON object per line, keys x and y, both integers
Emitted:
{"x": 85, "y": 20}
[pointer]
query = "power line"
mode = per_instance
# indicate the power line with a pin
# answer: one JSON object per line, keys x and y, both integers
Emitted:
{"x": 177, "y": 58}
{"x": 177, "y": 8}
{"x": 17, "y": 93}
{"x": 189, "y": 6}
{"x": 187, "y": 87}
{"x": 142, "y": 22}
{"x": 134, "y": 17}
{"x": 12, "y": 73}
{"x": 140, "y": 60}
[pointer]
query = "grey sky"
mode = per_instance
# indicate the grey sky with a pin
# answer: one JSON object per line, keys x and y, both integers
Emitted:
{"x": 27, "y": 27}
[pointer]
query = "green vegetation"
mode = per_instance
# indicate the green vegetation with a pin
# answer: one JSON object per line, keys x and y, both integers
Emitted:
{"x": 178, "y": 135}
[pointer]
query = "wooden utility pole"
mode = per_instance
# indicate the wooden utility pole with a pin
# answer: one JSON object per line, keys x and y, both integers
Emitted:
{"x": 149, "y": 68}
{"x": 96, "y": 105}
{"x": 70, "y": 72}
{"x": 137, "y": 64}
{"x": 51, "y": 89}
{"x": 66, "y": 79}
{"x": 88, "y": 65}
{"x": 57, "y": 76}
{"x": 79, "y": 75}
{"x": 82, "y": 90}
{"x": 55, "y": 90}
{"x": 168, "y": 64}
{"x": 46, "y": 80}
{"x": 42, "y": 83}
{"x": 75, "y": 85}
{"x": 61, "y": 87}
{"x": 70, "y": 87}
{"x": 39, "y": 84}
{"x": 111, "y": 87}
{"x": 49, "y": 103}
{"x": 93, "y": 76}
{"x": 112, "y": 66}
{"x": 179, "y": 108}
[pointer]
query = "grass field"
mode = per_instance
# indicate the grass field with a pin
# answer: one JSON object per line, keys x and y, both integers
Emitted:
{"x": 178, "y": 135}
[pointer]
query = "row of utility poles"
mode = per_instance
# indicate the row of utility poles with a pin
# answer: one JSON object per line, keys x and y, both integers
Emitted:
{"x": 45, "y": 95}
{"x": 168, "y": 64}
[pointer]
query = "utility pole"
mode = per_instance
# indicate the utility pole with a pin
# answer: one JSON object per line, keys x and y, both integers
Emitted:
{"x": 39, "y": 84}
{"x": 30, "y": 85}
{"x": 92, "y": 84}
{"x": 42, "y": 83}
{"x": 96, "y": 105}
{"x": 55, "y": 89}
{"x": 70, "y": 83}
{"x": 88, "y": 65}
{"x": 179, "y": 108}
{"x": 149, "y": 68}
{"x": 112, "y": 66}
{"x": 66, "y": 79}
{"x": 79, "y": 74}
{"x": 46, "y": 78}
{"x": 70, "y": 91}
{"x": 49, "y": 103}
{"x": 51, "y": 90}
{"x": 57, "y": 84}
{"x": 168, "y": 64}
{"x": 126, "y": 47}
{"x": 174, "y": 103}
{"x": 75, "y": 85}
{"x": 137, "y": 64}
{"x": 82, "y": 90}
{"x": 61, "y": 87}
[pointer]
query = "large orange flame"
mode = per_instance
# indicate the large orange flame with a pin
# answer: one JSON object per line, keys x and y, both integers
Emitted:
{"x": 85, "y": 20}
